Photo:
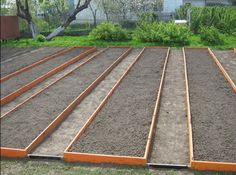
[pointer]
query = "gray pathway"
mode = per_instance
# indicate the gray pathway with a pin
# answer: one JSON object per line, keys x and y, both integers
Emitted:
{"x": 170, "y": 144}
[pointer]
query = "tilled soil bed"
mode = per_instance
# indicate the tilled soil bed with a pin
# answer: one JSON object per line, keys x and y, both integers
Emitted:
{"x": 7, "y": 53}
{"x": 122, "y": 126}
{"x": 213, "y": 109}
{"x": 20, "y": 128}
{"x": 24, "y": 78}
{"x": 23, "y": 60}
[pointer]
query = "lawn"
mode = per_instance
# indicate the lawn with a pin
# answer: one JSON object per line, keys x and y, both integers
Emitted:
{"x": 39, "y": 167}
{"x": 230, "y": 42}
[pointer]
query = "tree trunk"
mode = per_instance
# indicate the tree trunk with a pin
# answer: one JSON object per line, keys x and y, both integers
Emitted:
{"x": 55, "y": 32}
{"x": 33, "y": 28}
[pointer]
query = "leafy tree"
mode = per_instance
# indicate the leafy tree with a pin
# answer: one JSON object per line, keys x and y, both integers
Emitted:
{"x": 72, "y": 16}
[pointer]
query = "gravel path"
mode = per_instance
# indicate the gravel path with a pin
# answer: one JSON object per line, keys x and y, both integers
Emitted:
{"x": 24, "y": 78}
{"x": 170, "y": 144}
{"x": 213, "y": 108}
{"x": 60, "y": 139}
{"x": 122, "y": 126}
{"x": 15, "y": 63}
{"x": 34, "y": 116}
{"x": 228, "y": 60}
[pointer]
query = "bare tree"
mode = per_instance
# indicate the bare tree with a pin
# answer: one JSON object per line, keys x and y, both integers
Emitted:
{"x": 94, "y": 10}
{"x": 79, "y": 7}
{"x": 24, "y": 13}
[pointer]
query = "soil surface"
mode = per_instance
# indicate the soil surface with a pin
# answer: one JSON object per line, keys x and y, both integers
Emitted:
{"x": 17, "y": 62}
{"x": 24, "y": 78}
{"x": 9, "y": 106}
{"x": 122, "y": 126}
{"x": 7, "y": 53}
{"x": 34, "y": 116}
{"x": 170, "y": 144}
{"x": 213, "y": 109}
{"x": 57, "y": 142}
{"x": 228, "y": 60}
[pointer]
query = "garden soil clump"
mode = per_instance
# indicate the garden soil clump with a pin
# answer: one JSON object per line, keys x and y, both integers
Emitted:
{"x": 123, "y": 125}
{"x": 213, "y": 109}
{"x": 23, "y": 60}
{"x": 34, "y": 116}
{"x": 24, "y": 78}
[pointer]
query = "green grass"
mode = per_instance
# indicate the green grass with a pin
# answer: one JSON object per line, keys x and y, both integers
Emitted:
{"x": 39, "y": 167}
{"x": 230, "y": 42}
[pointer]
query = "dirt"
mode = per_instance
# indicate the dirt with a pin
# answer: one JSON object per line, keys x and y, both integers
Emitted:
{"x": 57, "y": 142}
{"x": 34, "y": 116}
{"x": 213, "y": 109}
{"x": 122, "y": 126}
{"x": 17, "y": 62}
{"x": 24, "y": 78}
{"x": 170, "y": 144}
{"x": 7, "y": 53}
{"x": 9, "y": 106}
{"x": 228, "y": 60}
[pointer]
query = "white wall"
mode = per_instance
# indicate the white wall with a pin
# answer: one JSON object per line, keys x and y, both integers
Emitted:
{"x": 198, "y": 3}
{"x": 171, "y": 5}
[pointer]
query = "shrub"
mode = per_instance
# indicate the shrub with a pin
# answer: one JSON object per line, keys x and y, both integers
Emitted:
{"x": 165, "y": 33}
{"x": 40, "y": 38}
{"x": 109, "y": 32}
{"x": 210, "y": 36}
{"x": 222, "y": 18}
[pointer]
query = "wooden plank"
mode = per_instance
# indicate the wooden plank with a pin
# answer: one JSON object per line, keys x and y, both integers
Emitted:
{"x": 224, "y": 72}
{"x": 188, "y": 110}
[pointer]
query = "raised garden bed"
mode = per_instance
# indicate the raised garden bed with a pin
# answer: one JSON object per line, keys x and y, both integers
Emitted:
{"x": 53, "y": 104}
{"x": 120, "y": 130}
{"x": 24, "y": 81}
{"x": 21, "y": 61}
{"x": 212, "y": 115}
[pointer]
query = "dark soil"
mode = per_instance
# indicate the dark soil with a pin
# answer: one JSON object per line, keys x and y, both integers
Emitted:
{"x": 7, "y": 53}
{"x": 23, "y": 60}
{"x": 213, "y": 108}
{"x": 21, "y": 127}
{"x": 228, "y": 60}
{"x": 122, "y": 126}
{"x": 24, "y": 78}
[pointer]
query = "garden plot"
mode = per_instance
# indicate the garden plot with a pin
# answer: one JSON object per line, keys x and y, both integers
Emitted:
{"x": 7, "y": 53}
{"x": 57, "y": 142}
{"x": 26, "y": 80}
{"x": 31, "y": 119}
{"x": 17, "y": 62}
{"x": 228, "y": 60}
{"x": 212, "y": 113}
{"x": 30, "y": 93}
{"x": 122, "y": 126}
